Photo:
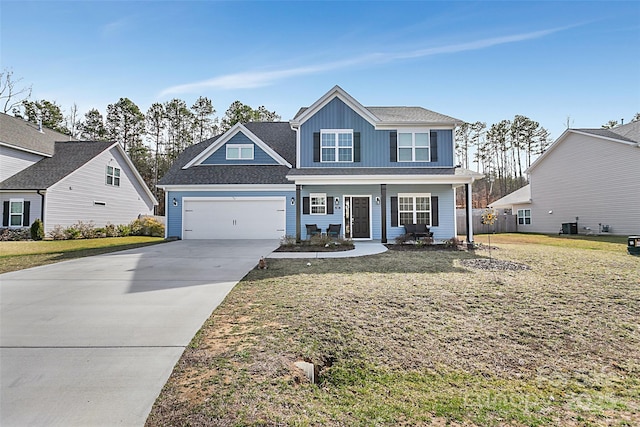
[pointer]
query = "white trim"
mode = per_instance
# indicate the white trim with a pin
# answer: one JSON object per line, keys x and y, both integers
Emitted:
{"x": 336, "y": 92}
{"x": 415, "y": 211}
{"x": 220, "y": 142}
{"x": 26, "y": 150}
{"x": 369, "y": 196}
{"x": 240, "y": 147}
{"x": 413, "y": 125}
{"x": 381, "y": 179}
{"x": 318, "y": 196}
{"x": 229, "y": 187}
{"x": 413, "y": 146}
{"x": 21, "y": 201}
{"x": 336, "y": 147}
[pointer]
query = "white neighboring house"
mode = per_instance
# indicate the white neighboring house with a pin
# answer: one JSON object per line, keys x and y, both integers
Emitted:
{"x": 588, "y": 176}
{"x": 45, "y": 175}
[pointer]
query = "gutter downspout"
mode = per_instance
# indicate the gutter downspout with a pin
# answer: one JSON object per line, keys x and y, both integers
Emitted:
{"x": 42, "y": 205}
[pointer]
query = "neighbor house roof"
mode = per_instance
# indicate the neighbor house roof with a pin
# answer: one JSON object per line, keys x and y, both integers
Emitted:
{"x": 69, "y": 156}
{"x": 277, "y": 135}
{"x": 21, "y": 134}
{"x": 518, "y": 197}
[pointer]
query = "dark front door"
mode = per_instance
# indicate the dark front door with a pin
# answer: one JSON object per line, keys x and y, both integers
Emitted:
{"x": 360, "y": 215}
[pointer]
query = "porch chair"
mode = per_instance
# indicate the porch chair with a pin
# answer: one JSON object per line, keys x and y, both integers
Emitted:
{"x": 334, "y": 230}
{"x": 313, "y": 230}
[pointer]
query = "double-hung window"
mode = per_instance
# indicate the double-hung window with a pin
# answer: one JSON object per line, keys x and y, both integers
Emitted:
{"x": 113, "y": 176}
{"x": 336, "y": 145}
{"x": 318, "y": 203}
{"x": 16, "y": 210}
{"x": 414, "y": 209}
{"x": 413, "y": 147}
{"x": 524, "y": 216}
{"x": 239, "y": 151}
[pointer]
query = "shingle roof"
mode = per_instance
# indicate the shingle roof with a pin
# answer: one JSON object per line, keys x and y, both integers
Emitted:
{"x": 404, "y": 115}
{"x": 69, "y": 156}
{"x": 630, "y": 130}
{"x": 606, "y": 133}
{"x": 278, "y": 135}
{"x": 19, "y": 133}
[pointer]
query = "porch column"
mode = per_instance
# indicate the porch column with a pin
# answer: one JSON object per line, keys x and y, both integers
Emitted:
{"x": 383, "y": 208}
{"x": 298, "y": 213}
{"x": 469, "y": 215}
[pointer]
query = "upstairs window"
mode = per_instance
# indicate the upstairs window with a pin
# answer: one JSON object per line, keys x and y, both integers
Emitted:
{"x": 413, "y": 147}
{"x": 239, "y": 151}
{"x": 414, "y": 209}
{"x": 318, "y": 203}
{"x": 113, "y": 176}
{"x": 336, "y": 145}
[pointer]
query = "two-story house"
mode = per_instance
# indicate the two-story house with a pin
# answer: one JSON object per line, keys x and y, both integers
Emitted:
{"x": 48, "y": 176}
{"x": 368, "y": 170}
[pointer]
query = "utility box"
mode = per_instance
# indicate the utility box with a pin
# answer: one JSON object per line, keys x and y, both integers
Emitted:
{"x": 570, "y": 228}
{"x": 633, "y": 245}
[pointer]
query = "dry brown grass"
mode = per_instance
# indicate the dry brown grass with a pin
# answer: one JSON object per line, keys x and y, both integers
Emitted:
{"x": 411, "y": 338}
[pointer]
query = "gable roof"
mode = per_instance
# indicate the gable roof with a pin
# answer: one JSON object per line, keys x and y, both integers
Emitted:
{"x": 376, "y": 116}
{"x": 275, "y": 133}
{"x": 519, "y": 197}
{"x": 625, "y": 134}
{"x": 278, "y": 136}
{"x": 23, "y": 135}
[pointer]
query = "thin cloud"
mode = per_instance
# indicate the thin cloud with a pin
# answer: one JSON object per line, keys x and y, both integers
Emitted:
{"x": 254, "y": 79}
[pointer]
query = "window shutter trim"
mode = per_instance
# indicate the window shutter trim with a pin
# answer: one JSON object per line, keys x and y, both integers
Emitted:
{"x": 434, "y": 211}
{"x": 330, "y": 202}
{"x": 394, "y": 211}
{"x": 5, "y": 214}
{"x": 433, "y": 146}
{"x": 26, "y": 210}
{"x": 356, "y": 147}
{"x": 306, "y": 206}
{"x": 316, "y": 147}
{"x": 393, "y": 146}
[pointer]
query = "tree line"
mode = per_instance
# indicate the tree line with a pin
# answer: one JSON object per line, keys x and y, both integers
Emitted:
{"x": 153, "y": 140}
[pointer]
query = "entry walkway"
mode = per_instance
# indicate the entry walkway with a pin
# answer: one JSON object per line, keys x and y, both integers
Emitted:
{"x": 361, "y": 249}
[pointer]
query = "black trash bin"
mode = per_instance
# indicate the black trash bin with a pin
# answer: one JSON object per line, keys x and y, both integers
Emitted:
{"x": 633, "y": 245}
{"x": 569, "y": 228}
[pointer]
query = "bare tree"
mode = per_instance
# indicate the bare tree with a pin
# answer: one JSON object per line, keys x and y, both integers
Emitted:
{"x": 11, "y": 97}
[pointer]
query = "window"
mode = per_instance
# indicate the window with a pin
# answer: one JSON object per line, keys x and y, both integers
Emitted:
{"x": 414, "y": 209}
{"x": 413, "y": 147}
{"x": 336, "y": 145}
{"x": 113, "y": 176}
{"x": 318, "y": 203}
{"x": 524, "y": 216}
{"x": 16, "y": 210}
{"x": 239, "y": 151}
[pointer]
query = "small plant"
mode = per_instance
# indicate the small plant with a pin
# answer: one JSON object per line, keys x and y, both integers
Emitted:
{"x": 87, "y": 229}
{"x": 147, "y": 226}
{"x": 37, "y": 230}
{"x": 403, "y": 238}
{"x": 123, "y": 230}
{"x": 288, "y": 241}
{"x": 58, "y": 233}
{"x": 72, "y": 233}
{"x": 320, "y": 240}
{"x": 110, "y": 230}
{"x": 452, "y": 243}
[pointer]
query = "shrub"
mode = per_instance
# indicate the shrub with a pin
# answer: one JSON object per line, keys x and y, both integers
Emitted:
{"x": 12, "y": 234}
{"x": 110, "y": 230}
{"x": 123, "y": 230}
{"x": 403, "y": 238}
{"x": 147, "y": 226}
{"x": 37, "y": 230}
{"x": 288, "y": 241}
{"x": 72, "y": 233}
{"x": 87, "y": 229}
{"x": 453, "y": 242}
{"x": 57, "y": 233}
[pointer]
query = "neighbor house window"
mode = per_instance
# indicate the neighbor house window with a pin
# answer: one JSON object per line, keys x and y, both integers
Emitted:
{"x": 413, "y": 147}
{"x": 239, "y": 151}
{"x": 318, "y": 203}
{"x": 336, "y": 145}
{"x": 524, "y": 216}
{"x": 414, "y": 209}
{"x": 16, "y": 211}
{"x": 113, "y": 176}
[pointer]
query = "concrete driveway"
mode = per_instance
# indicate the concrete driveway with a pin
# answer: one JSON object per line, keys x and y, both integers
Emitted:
{"x": 91, "y": 342}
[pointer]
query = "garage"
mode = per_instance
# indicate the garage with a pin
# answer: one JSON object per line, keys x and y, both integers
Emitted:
{"x": 233, "y": 218}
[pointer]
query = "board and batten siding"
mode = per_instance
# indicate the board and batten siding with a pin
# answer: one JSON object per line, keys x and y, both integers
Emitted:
{"x": 219, "y": 157}
{"x": 74, "y": 198}
{"x": 13, "y": 161}
{"x": 174, "y": 213}
{"x": 590, "y": 178}
{"x": 374, "y": 144}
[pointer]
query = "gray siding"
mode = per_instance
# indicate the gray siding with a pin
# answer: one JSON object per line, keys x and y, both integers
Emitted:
{"x": 260, "y": 157}
{"x": 72, "y": 199}
{"x": 590, "y": 178}
{"x": 13, "y": 161}
{"x": 375, "y": 148}
{"x": 34, "y": 198}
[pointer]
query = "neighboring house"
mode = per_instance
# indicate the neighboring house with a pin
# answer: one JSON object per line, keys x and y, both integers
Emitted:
{"x": 44, "y": 174}
{"x": 588, "y": 176}
{"x": 517, "y": 203}
{"x": 369, "y": 170}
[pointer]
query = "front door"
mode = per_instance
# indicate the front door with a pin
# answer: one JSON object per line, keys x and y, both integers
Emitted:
{"x": 360, "y": 218}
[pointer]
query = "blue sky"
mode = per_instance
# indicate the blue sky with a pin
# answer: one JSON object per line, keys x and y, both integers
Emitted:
{"x": 483, "y": 61}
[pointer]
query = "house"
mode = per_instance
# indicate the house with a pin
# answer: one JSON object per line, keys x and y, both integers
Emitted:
{"x": 588, "y": 177}
{"x": 45, "y": 175}
{"x": 369, "y": 170}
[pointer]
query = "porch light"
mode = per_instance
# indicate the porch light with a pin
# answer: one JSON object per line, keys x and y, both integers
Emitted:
{"x": 175, "y": 202}
{"x": 337, "y": 201}
{"x": 293, "y": 201}
{"x": 377, "y": 200}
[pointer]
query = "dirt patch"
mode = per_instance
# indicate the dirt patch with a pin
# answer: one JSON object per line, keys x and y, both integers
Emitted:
{"x": 494, "y": 264}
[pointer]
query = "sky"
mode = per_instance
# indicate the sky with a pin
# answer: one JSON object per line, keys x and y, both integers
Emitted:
{"x": 558, "y": 63}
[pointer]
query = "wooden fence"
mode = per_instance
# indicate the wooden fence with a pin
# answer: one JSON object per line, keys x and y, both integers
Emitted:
{"x": 503, "y": 224}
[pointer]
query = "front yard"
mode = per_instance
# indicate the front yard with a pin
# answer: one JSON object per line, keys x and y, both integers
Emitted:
{"x": 416, "y": 338}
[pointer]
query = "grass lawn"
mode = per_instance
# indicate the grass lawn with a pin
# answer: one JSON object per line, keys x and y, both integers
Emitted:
{"x": 20, "y": 255}
{"x": 415, "y": 338}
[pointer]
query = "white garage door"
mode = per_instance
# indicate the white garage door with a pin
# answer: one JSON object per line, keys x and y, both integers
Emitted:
{"x": 234, "y": 218}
